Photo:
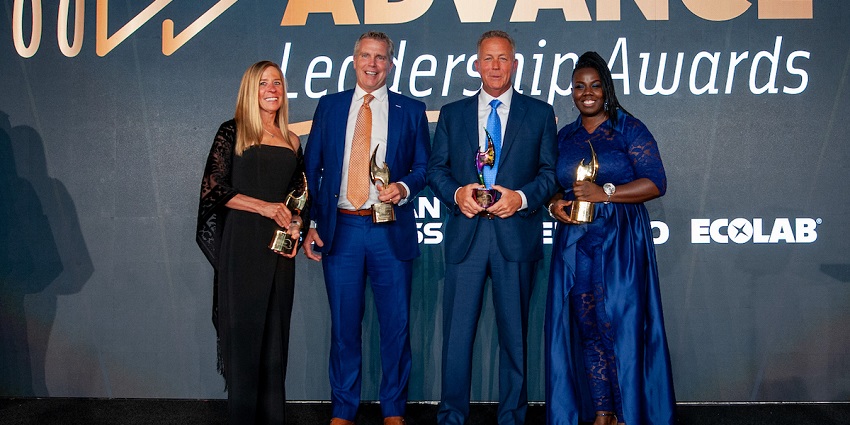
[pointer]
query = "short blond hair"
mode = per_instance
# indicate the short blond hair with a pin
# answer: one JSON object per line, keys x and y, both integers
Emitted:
{"x": 249, "y": 125}
{"x": 498, "y": 34}
{"x": 375, "y": 35}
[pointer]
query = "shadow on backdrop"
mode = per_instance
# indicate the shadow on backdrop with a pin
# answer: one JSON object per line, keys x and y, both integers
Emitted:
{"x": 42, "y": 256}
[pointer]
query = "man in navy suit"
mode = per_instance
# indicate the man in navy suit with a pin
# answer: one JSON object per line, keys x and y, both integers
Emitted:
{"x": 343, "y": 235}
{"x": 502, "y": 242}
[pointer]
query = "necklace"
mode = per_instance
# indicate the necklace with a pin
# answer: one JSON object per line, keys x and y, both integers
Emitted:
{"x": 285, "y": 142}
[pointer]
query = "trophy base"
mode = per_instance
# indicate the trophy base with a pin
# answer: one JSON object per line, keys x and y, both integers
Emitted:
{"x": 383, "y": 213}
{"x": 283, "y": 243}
{"x": 485, "y": 198}
{"x": 582, "y": 211}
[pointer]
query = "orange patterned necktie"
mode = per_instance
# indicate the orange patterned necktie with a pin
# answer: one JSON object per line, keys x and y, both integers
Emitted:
{"x": 358, "y": 162}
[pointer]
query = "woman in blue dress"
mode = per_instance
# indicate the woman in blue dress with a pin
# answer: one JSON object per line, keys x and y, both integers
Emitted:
{"x": 607, "y": 358}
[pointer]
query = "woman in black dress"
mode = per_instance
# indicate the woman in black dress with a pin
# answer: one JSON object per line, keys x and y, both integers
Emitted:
{"x": 255, "y": 161}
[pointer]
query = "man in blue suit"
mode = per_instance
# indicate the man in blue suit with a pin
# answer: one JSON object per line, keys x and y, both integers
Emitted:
{"x": 502, "y": 242}
{"x": 346, "y": 126}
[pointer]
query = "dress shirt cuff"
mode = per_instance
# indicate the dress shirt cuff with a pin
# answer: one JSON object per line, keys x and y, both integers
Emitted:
{"x": 407, "y": 191}
{"x": 524, "y": 200}
{"x": 312, "y": 224}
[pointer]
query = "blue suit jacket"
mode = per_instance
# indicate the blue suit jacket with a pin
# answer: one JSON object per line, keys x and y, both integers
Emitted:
{"x": 408, "y": 147}
{"x": 527, "y": 163}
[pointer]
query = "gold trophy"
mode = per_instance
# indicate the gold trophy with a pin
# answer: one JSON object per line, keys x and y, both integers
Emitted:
{"x": 582, "y": 211}
{"x": 381, "y": 212}
{"x": 282, "y": 241}
{"x": 485, "y": 197}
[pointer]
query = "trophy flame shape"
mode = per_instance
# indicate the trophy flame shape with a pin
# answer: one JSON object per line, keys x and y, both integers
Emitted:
{"x": 381, "y": 212}
{"x": 282, "y": 241}
{"x": 485, "y": 197}
{"x": 295, "y": 202}
{"x": 582, "y": 211}
{"x": 486, "y": 157}
{"x": 379, "y": 174}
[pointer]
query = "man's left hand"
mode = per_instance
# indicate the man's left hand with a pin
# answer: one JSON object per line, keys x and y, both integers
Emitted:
{"x": 392, "y": 194}
{"x": 508, "y": 204}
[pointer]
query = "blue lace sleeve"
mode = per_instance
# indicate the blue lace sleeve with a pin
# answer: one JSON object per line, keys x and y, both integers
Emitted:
{"x": 644, "y": 154}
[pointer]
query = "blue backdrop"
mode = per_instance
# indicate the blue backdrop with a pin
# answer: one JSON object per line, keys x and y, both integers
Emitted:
{"x": 108, "y": 109}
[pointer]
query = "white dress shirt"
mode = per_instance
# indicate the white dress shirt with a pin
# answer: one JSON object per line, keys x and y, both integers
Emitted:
{"x": 503, "y": 110}
{"x": 380, "y": 123}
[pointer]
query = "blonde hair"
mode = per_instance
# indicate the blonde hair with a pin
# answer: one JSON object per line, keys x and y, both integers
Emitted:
{"x": 498, "y": 34}
{"x": 249, "y": 125}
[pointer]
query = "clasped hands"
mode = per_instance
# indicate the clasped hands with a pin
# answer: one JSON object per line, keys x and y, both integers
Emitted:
{"x": 509, "y": 201}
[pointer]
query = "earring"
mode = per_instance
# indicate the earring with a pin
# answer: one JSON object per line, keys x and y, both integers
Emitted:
{"x": 606, "y": 104}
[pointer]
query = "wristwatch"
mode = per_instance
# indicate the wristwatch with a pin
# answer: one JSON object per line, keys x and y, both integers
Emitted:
{"x": 609, "y": 189}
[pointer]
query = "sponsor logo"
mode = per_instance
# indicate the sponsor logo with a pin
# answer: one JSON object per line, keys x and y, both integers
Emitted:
{"x": 756, "y": 230}
{"x": 660, "y": 232}
{"x": 782, "y": 230}
{"x": 429, "y": 224}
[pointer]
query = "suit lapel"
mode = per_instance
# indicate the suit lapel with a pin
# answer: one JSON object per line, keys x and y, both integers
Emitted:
{"x": 470, "y": 117}
{"x": 337, "y": 136}
{"x": 394, "y": 118}
{"x": 515, "y": 118}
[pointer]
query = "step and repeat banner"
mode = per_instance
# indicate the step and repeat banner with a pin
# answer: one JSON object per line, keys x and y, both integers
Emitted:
{"x": 108, "y": 110}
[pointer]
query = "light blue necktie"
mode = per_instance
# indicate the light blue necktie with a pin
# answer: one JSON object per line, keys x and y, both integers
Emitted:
{"x": 494, "y": 127}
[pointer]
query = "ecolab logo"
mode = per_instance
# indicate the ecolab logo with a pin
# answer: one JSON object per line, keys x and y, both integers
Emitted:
{"x": 742, "y": 230}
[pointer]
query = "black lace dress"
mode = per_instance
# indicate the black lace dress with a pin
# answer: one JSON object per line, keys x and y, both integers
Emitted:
{"x": 254, "y": 286}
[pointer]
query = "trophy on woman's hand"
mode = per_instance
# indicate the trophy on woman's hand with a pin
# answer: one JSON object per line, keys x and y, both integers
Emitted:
{"x": 582, "y": 211}
{"x": 487, "y": 196}
{"x": 381, "y": 212}
{"x": 283, "y": 242}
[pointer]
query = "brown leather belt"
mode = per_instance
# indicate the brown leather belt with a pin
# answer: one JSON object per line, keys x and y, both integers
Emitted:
{"x": 361, "y": 213}
{"x": 487, "y": 214}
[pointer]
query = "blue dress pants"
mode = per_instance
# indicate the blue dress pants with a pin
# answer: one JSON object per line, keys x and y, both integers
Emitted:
{"x": 361, "y": 250}
{"x": 462, "y": 299}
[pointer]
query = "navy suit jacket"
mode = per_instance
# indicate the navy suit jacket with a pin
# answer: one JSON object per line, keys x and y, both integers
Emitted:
{"x": 408, "y": 147}
{"x": 527, "y": 163}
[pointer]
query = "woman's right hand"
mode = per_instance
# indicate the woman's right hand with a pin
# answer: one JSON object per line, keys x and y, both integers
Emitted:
{"x": 277, "y": 212}
{"x": 273, "y": 210}
{"x": 559, "y": 209}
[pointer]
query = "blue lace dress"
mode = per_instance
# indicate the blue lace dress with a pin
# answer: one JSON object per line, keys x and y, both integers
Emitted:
{"x": 605, "y": 340}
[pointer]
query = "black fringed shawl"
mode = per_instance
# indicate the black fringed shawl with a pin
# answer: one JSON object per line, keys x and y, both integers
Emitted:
{"x": 216, "y": 191}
